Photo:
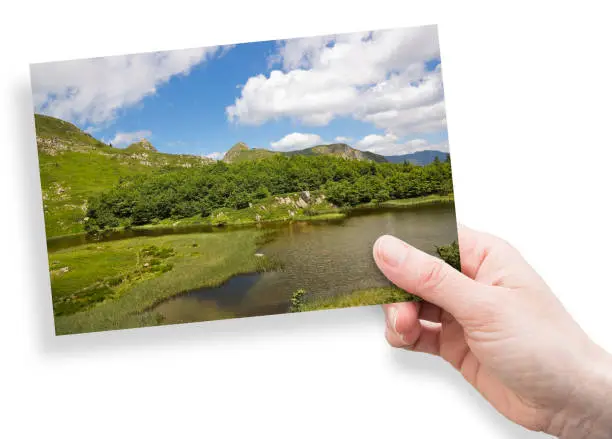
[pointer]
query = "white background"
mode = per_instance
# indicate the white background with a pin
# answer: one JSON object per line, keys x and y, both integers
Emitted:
{"x": 528, "y": 100}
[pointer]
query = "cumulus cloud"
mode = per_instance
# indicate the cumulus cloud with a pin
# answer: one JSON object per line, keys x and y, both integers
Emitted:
{"x": 94, "y": 90}
{"x": 215, "y": 155}
{"x": 390, "y": 144}
{"x": 296, "y": 141}
{"x": 379, "y": 77}
{"x": 124, "y": 139}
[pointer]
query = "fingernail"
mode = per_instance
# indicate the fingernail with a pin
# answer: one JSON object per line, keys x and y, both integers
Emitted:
{"x": 392, "y": 318}
{"x": 391, "y": 250}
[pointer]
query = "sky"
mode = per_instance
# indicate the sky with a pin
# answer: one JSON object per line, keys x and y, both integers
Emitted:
{"x": 378, "y": 91}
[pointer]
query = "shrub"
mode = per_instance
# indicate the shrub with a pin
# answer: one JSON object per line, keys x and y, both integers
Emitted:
{"x": 297, "y": 300}
{"x": 450, "y": 254}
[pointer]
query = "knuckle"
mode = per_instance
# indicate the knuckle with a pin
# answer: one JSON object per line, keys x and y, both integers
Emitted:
{"x": 433, "y": 275}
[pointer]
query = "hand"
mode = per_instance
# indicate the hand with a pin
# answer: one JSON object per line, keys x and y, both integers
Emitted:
{"x": 499, "y": 324}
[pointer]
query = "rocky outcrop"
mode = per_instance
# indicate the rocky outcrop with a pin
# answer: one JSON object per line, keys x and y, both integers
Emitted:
{"x": 235, "y": 151}
{"x": 141, "y": 145}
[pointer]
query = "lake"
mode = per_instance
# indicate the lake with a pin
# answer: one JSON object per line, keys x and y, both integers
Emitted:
{"x": 322, "y": 257}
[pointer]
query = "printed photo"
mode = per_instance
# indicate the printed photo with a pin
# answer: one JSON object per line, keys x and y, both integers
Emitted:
{"x": 240, "y": 180}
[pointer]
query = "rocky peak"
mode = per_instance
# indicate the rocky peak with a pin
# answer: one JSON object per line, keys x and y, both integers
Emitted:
{"x": 235, "y": 151}
{"x": 145, "y": 144}
{"x": 142, "y": 145}
{"x": 240, "y": 146}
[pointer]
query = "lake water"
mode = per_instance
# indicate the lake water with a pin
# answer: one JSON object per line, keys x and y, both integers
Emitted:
{"x": 324, "y": 258}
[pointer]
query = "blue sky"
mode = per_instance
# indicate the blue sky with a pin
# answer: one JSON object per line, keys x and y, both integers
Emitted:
{"x": 379, "y": 91}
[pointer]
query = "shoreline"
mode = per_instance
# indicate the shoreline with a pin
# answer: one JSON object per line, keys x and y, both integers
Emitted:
{"x": 323, "y": 215}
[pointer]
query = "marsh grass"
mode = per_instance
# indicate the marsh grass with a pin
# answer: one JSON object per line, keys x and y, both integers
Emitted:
{"x": 371, "y": 296}
{"x": 409, "y": 202}
{"x": 219, "y": 257}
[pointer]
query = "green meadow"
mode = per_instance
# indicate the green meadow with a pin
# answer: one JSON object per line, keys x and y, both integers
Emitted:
{"x": 112, "y": 285}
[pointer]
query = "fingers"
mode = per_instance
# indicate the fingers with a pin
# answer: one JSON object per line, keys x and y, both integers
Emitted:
{"x": 405, "y": 330}
{"x": 429, "y": 277}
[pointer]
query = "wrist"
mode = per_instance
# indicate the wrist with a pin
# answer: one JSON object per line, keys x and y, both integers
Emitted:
{"x": 588, "y": 413}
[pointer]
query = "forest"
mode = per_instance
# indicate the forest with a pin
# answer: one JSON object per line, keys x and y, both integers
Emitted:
{"x": 143, "y": 199}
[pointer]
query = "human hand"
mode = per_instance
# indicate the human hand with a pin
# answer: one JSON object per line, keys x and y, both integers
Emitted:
{"x": 500, "y": 325}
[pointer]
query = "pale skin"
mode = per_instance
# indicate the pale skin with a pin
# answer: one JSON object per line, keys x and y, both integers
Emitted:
{"x": 499, "y": 324}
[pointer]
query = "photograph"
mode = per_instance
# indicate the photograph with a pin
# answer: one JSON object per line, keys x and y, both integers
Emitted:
{"x": 240, "y": 180}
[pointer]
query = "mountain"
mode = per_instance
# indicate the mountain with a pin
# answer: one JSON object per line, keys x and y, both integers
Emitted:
{"x": 75, "y": 166}
{"x": 339, "y": 150}
{"x": 418, "y": 158}
{"x": 141, "y": 145}
{"x": 241, "y": 152}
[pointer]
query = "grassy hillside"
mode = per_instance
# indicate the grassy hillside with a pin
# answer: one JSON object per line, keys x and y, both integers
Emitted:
{"x": 240, "y": 152}
{"x": 74, "y": 166}
{"x": 339, "y": 150}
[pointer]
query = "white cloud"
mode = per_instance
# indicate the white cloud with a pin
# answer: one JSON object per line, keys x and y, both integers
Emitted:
{"x": 389, "y": 144}
{"x": 378, "y": 77}
{"x": 296, "y": 141}
{"x": 342, "y": 139}
{"x": 94, "y": 90}
{"x": 215, "y": 155}
{"x": 124, "y": 139}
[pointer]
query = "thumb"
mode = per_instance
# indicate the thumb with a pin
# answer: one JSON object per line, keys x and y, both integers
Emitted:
{"x": 430, "y": 278}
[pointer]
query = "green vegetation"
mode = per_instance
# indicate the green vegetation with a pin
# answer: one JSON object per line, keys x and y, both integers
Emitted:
{"x": 297, "y": 301}
{"x": 114, "y": 285}
{"x": 408, "y": 202}
{"x": 450, "y": 254}
{"x": 371, "y": 296}
{"x": 92, "y": 187}
{"x": 220, "y": 191}
{"x": 341, "y": 150}
{"x": 49, "y": 127}
{"x": 74, "y": 166}
{"x": 241, "y": 153}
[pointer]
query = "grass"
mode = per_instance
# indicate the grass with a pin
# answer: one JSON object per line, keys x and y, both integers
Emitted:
{"x": 371, "y": 296}
{"x": 80, "y": 166}
{"x": 408, "y": 202}
{"x": 117, "y": 288}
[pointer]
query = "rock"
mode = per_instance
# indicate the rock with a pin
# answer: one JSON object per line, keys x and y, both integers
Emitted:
{"x": 257, "y": 217}
{"x": 291, "y": 213}
{"x": 301, "y": 203}
{"x": 305, "y": 195}
{"x": 259, "y": 255}
{"x": 262, "y": 207}
{"x": 64, "y": 269}
{"x": 146, "y": 264}
{"x": 250, "y": 204}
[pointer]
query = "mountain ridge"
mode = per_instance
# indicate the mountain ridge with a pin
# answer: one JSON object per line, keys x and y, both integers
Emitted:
{"x": 241, "y": 152}
{"x": 420, "y": 158}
